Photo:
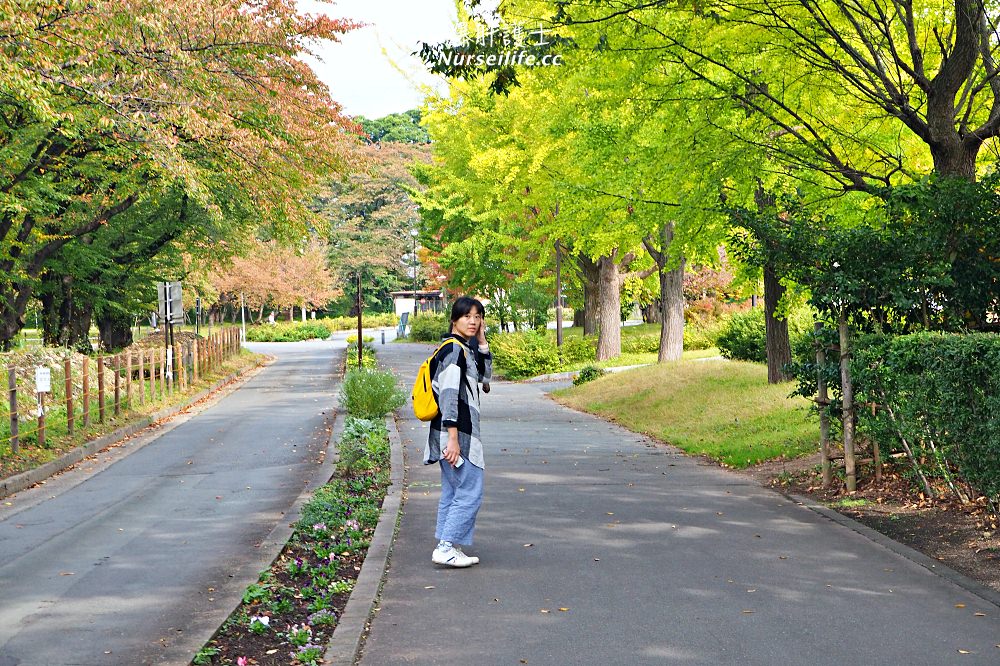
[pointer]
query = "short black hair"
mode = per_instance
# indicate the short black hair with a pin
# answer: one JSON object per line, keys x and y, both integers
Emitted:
{"x": 463, "y": 305}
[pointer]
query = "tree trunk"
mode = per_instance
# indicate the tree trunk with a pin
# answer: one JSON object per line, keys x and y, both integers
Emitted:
{"x": 609, "y": 337}
{"x": 847, "y": 404}
{"x": 116, "y": 330}
{"x": 591, "y": 279}
{"x": 779, "y": 350}
{"x": 671, "y": 313}
{"x": 578, "y": 317}
{"x": 955, "y": 157}
{"x": 651, "y": 312}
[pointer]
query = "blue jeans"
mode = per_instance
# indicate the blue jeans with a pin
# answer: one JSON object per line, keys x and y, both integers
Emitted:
{"x": 461, "y": 497}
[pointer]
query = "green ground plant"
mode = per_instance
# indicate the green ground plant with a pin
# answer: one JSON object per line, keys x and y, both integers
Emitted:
{"x": 370, "y": 394}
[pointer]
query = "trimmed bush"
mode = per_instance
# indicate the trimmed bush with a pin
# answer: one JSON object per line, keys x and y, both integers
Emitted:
{"x": 378, "y": 320}
{"x": 289, "y": 331}
{"x": 588, "y": 374}
{"x": 370, "y": 394}
{"x": 429, "y": 327}
{"x": 944, "y": 392}
{"x": 524, "y": 354}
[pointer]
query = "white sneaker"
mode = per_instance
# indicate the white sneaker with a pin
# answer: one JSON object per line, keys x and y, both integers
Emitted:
{"x": 453, "y": 557}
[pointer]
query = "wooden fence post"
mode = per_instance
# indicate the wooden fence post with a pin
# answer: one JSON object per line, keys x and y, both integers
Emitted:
{"x": 12, "y": 385}
{"x": 142, "y": 377}
{"x": 194, "y": 360}
{"x": 152, "y": 375}
{"x": 100, "y": 388}
{"x": 41, "y": 420}
{"x": 68, "y": 367}
{"x": 163, "y": 373}
{"x": 118, "y": 383}
{"x": 86, "y": 393}
{"x": 128, "y": 380}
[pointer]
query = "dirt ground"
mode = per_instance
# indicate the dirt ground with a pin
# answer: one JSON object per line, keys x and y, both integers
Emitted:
{"x": 965, "y": 536}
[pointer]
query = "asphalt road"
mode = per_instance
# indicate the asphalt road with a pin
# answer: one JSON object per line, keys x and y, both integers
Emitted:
{"x": 137, "y": 556}
{"x": 600, "y": 547}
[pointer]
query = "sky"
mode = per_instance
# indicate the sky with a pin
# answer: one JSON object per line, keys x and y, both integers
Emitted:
{"x": 363, "y": 79}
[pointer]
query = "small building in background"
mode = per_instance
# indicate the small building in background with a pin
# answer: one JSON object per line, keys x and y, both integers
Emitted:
{"x": 431, "y": 300}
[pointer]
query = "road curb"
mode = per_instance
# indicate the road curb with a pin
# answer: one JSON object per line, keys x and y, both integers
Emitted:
{"x": 934, "y": 566}
{"x": 19, "y": 482}
{"x": 348, "y": 637}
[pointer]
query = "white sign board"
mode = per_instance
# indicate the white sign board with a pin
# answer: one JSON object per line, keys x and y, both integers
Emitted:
{"x": 43, "y": 380}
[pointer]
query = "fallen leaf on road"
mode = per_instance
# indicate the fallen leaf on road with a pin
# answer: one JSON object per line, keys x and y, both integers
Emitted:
{"x": 747, "y": 612}
{"x": 67, "y": 573}
{"x": 964, "y": 652}
{"x": 428, "y": 587}
{"x": 597, "y": 559}
{"x": 959, "y": 605}
{"x": 980, "y": 614}
{"x": 610, "y": 513}
{"x": 528, "y": 545}
{"x": 782, "y": 557}
{"x": 545, "y": 610}
{"x": 564, "y": 609}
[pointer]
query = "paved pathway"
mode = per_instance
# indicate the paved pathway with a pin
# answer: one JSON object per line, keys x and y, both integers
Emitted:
{"x": 656, "y": 558}
{"x": 140, "y": 562}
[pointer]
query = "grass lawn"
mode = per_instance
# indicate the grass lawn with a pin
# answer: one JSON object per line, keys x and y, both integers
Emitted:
{"x": 722, "y": 409}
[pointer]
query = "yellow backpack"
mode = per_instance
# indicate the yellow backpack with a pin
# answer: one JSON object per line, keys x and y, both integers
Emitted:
{"x": 425, "y": 407}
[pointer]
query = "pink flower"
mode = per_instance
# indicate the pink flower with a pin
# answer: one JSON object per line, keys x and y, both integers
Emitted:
{"x": 242, "y": 661}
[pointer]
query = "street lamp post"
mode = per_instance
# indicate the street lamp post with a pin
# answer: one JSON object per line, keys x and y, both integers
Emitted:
{"x": 413, "y": 266}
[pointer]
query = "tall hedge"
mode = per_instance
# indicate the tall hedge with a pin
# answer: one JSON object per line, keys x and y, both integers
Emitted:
{"x": 944, "y": 394}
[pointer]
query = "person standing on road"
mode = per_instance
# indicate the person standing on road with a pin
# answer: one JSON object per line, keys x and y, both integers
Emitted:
{"x": 453, "y": 441}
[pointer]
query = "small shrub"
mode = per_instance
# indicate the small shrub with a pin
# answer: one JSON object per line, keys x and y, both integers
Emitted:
{"x": 370, "y": 394}
{"x": 743, "y": 338}
{"x": 588, "y": 374}
{"x": 524, "y": 354}
{"x": 353, "y": 339}
{"x": 578, "y": 350}
{"x": 367, "y": 357}
{"x": 429, "y": 327}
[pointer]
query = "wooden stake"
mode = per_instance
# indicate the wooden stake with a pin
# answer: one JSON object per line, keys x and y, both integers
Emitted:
{"x": 142, "y": 377}
{"x": 86, "y": 393}
{"x": 100, "y": 388}
{"x": 12, "y": 386}
{"x": 118, "y": 383}
{"x": 68, "y": 367}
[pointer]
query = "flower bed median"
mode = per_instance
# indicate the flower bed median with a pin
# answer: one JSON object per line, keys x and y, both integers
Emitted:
{"x": 289, "y": 615}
